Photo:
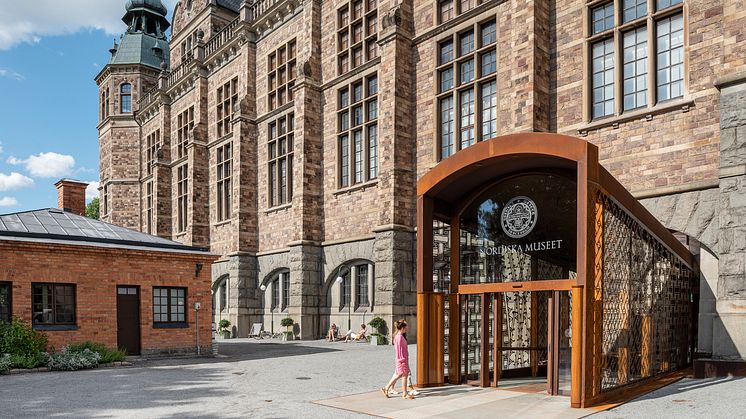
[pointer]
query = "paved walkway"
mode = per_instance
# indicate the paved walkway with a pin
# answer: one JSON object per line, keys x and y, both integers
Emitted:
{"x": 271, "y": 379}
{"x": 461, "y": 402}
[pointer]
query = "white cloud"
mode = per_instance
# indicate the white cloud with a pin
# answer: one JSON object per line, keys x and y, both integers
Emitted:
{"x": 91, "y": 191}
{"x": 29, "y": 21}
{"x": 14, "y": 181}
{"x": 4, "y": 72}
{"x": 8, "y": 201}
{"x": 46, "y": 165}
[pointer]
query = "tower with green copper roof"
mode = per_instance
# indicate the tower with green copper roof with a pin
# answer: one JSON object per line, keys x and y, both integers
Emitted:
{"x": 137, "y": 59}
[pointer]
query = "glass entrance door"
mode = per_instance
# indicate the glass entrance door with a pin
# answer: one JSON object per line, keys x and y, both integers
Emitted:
{"x": 516, "y": 339}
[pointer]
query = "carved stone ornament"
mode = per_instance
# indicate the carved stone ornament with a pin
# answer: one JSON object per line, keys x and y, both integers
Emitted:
{"x": 392, "y": 17}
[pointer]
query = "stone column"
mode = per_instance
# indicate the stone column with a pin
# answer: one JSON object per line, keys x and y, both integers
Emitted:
{"x": 395, "y": 296}
{"x": 305, "y": 285}
{"x": 729, "y": 333}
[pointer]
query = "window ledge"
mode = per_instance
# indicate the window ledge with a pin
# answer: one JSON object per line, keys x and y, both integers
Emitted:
{"x": 278, "y": 208}
{"x": 360, "y": 186}
{"x": 170, "y": 325}
{"x": 684, "y": 104}
{"x": 222, "y": 223}
{"x": 362, "y": 309}
{"x": 55, "y": 327}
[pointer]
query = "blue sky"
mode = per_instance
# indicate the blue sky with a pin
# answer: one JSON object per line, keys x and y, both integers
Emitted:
{"x": 50, "y": 52}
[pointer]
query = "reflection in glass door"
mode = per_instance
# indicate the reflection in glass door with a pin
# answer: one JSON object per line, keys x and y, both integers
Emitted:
{"x": 564, "y": 341}
{"x": 471, "y": 344}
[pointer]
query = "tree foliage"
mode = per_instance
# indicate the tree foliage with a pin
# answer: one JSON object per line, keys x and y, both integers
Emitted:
{"x": 92, "y": 209}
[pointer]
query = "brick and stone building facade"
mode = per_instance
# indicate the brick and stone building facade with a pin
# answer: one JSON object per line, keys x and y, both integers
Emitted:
{"x": 333, "y": 109}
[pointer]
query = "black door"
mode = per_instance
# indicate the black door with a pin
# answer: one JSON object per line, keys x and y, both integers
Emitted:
{"x": 128, "y": 319}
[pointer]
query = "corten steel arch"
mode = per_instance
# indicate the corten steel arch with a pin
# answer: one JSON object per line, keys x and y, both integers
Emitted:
{"x": 441, "y": 195}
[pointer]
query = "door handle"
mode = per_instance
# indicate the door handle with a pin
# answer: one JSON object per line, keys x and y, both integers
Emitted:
{"x": 517, "y": 285}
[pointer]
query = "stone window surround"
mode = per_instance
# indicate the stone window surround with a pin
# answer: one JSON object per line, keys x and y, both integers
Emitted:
{"x": 457, "y": 9}
{"x": 182, "y": 193}
{"x": 126, "y": 90}
{"x": 346, "y": 134}
{"x": 149, "y": 207}
{"x": 275, "y": 159}
{"x": 224, "y": 177}
{"x": 184, "y": 125}
{"x": 281, "y": 61}
{"x": 617, "y": 34}
{"x": 226, "y": 97}
{"x": 351, "y": 274}
{"x": 105, "y": 103}
{"x": 277, "y": 287}
{"x": 452, "y": 33}
{"x": 366, "y": 45}
{"x": 152, "y": 141}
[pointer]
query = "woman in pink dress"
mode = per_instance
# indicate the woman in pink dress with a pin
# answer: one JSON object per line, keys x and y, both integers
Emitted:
{"x": 402, "y": 360}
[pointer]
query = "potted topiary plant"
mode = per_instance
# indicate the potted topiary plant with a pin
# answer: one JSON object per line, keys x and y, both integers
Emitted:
{"x": 379, "y": 337}
{"x": 288, "y": 323}
{"x": 224, "y": 327}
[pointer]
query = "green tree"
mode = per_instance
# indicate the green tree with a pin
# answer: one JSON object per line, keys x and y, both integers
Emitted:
{"x": 91, "y": 210}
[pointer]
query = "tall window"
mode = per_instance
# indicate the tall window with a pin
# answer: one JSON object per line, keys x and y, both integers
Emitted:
{"x": 275, "y": 293}
{"x": 227, "y": 97}
{"x": 53, "y": 304}
{"x": 357, "y": 128}
{"x": 224, "y": 295}
{"x": 357, "y": 34}
{"x": 125, "y": 98}
{"x": 151, "y": 145}
{"x": 106, "y": 199}
{"x": 149, "y": 207}
{"x": 467, "y": 87}
{"x": 361, "y": 293}
{"x": 346, "y": 290}
{"x": 169, "y": 305}
{"x": 281, "y": 69}
{"x": 184, "y": 124}
{"x": 285, "y": 276}
{"x": 280, "y": 156}
{"x": 182, "y": 187}
{"x": 224, "y": 170}
{"x": 637, "y": 85}
{"x": 448, "y": 9}
{"x": 6, "y": 302}
{"x": 105, "y": 104}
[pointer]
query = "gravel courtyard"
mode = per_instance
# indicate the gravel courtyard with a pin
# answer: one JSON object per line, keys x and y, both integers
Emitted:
{"x": 266, "y": 379}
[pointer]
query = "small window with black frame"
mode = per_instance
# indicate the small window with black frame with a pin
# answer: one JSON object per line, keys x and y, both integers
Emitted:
{"x": 6, "y": 307}
{"x": 169, "y": 307}
{"x": 53, "y": 304}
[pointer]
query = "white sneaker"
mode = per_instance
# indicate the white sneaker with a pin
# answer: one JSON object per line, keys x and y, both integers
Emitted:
{"x": 414, "y": 393}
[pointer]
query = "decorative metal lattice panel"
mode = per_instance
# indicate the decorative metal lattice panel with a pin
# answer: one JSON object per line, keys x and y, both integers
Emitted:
{"x": 646, "y": 302}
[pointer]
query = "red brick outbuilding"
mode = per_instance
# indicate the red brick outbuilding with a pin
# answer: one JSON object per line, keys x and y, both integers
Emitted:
{"x": 79, "y": 279}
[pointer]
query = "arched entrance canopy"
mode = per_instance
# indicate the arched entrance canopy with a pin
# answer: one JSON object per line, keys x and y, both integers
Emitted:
{"x": 625, "y": 273}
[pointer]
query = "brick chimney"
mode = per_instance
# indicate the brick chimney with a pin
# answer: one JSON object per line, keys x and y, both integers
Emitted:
{"x": 71, "y": 195}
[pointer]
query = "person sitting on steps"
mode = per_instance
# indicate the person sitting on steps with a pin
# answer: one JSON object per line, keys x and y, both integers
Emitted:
{"x": 360, "y": 335}
{"x": 331, "y": 335}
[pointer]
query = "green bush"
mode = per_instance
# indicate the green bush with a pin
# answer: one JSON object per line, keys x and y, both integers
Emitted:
{"x": 224, "y": 325}
{"x": 107, "y": 355}
{"x": 24, "y": 344}
{"x": 5, "y": 363}
{"x": 73, "y": 361}
{"x": 379, "y": 324}
{"x": 287, "y": 322}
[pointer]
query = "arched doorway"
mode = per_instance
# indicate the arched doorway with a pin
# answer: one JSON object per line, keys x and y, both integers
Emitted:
{"x": 555, "y": 274}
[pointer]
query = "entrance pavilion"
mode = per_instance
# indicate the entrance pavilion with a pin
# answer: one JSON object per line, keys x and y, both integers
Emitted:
{"x": 535, "y": 266}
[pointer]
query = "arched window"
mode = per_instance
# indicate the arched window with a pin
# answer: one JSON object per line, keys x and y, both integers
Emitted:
{"x": 278, "y": 287}
{"x": 125, "y": 98}
{"x": 224, "y": 295}
{"x": 356, "y": 285}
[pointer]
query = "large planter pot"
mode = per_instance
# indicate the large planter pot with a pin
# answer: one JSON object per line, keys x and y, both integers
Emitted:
{"x": 288, "y": 336}
{"x": 226, "y": 334}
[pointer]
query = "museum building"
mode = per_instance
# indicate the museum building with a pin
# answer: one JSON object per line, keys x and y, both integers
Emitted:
{"x": 290, "y": 136}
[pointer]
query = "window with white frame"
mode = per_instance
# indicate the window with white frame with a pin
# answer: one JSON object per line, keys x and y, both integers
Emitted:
{"x": 467, "y": 87}
{"x": 224, "y": 176}
{"x": 651, "y": 46}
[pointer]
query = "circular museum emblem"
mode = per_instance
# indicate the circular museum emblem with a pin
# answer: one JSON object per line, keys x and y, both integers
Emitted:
{"x": 519, "y": 217}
